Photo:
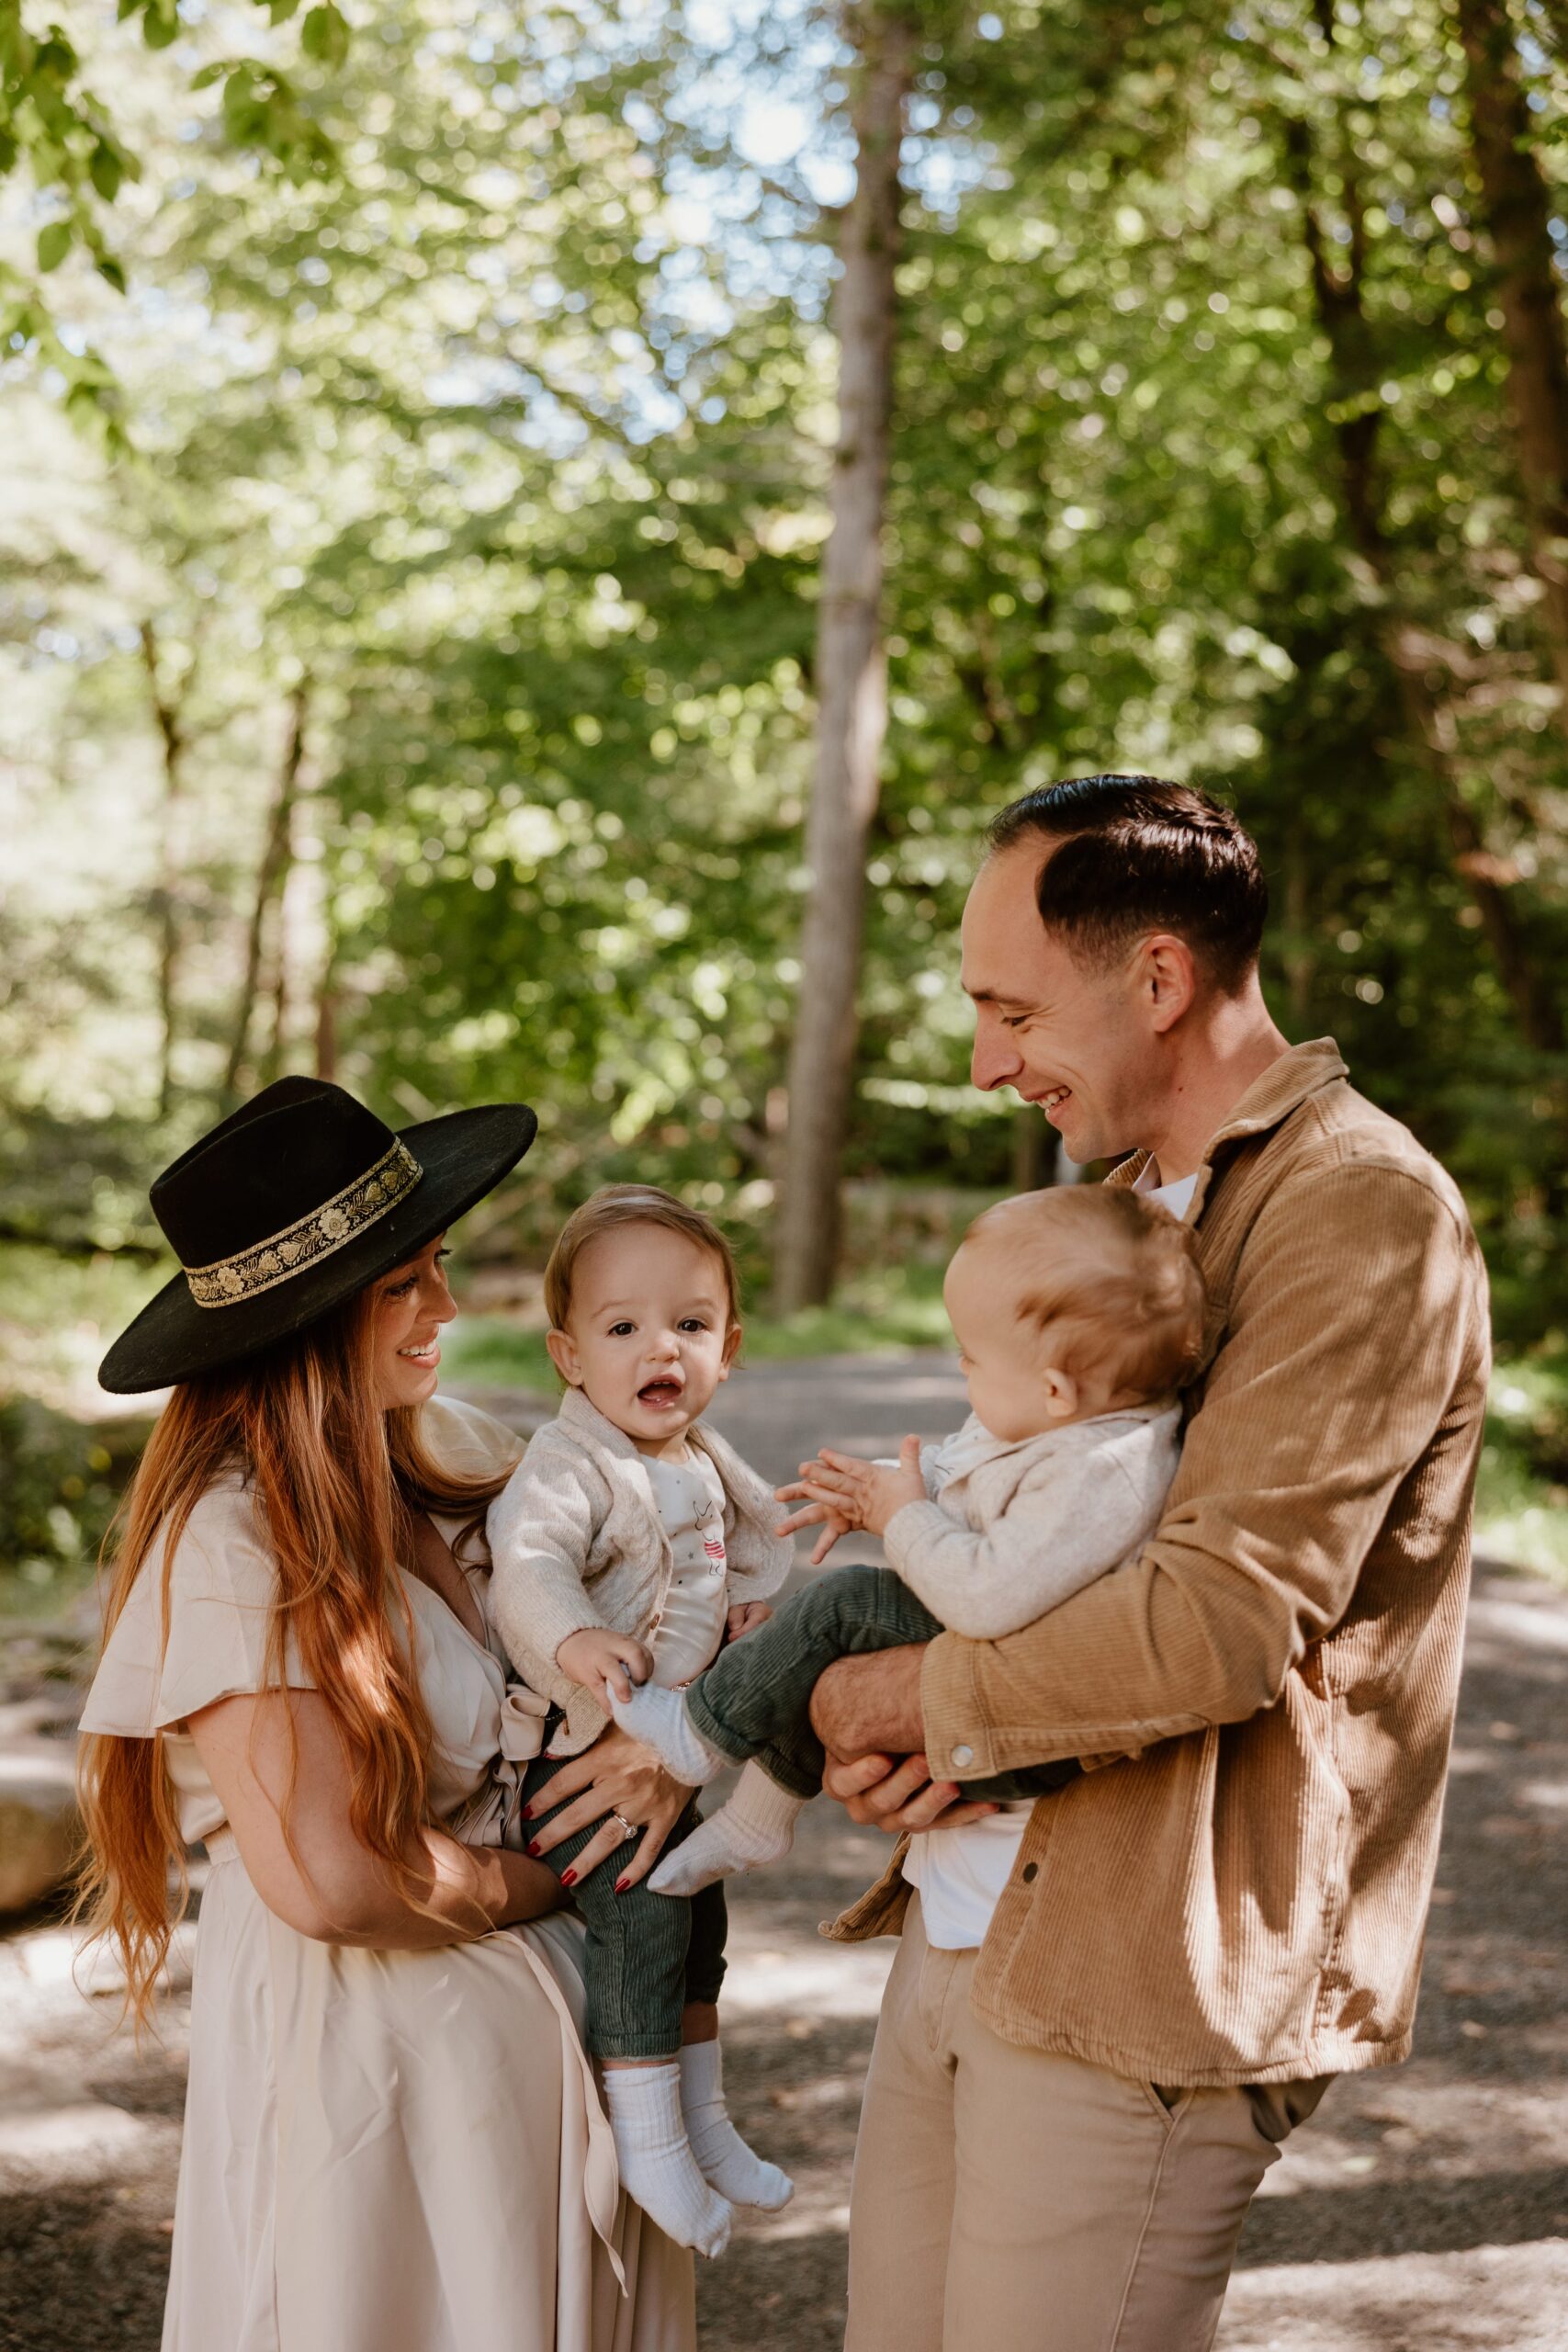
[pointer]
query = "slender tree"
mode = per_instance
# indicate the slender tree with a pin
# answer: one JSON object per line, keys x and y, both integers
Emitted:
{"x": 168, "y": 700}
{"x": 1518, "y": 209}
{"x": 852, "y": 674}
{"x": 272, "y": 873}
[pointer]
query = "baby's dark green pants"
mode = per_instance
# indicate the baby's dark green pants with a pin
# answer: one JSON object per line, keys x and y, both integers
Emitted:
{"x": 755, "y": 1699}
{"x": 648, "y": 1954}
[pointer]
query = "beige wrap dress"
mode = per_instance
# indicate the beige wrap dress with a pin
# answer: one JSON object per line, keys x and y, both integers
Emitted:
{"x": 384, "y": 2151}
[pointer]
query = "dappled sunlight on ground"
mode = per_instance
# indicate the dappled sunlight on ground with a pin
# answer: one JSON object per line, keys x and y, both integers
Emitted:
{"x": 1424, "y": 2209}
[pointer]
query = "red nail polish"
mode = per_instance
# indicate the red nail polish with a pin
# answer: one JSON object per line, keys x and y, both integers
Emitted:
{"x": 568, "y": 1877}
{"x": 622, "y": 1884}
{"x": 525, "y": 1814}
{"x": 534, "y": 1847}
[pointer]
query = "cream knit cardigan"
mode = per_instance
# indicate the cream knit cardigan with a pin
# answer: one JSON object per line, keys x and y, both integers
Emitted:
{"x": 577, "y": 1540}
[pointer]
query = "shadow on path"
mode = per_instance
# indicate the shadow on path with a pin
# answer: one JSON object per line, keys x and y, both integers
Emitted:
{"x": 1424, "y": 2209}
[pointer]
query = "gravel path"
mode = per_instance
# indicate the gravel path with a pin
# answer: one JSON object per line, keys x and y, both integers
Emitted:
{"x": 1424, "y": 2209}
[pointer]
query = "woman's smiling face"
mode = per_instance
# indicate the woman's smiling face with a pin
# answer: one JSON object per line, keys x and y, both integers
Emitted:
{"x": 648, "y": 1338}
{"x": 411, "y": 1303}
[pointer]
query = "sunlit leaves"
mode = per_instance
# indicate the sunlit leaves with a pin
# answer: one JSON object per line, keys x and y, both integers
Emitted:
{"x": 513, "y": 434}
{"x": 61, "y": 139}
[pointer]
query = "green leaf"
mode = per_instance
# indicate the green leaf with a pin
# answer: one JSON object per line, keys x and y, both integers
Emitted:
{"x": 107, "y": 171}
{"x": 160, "y": 22}
{"x": 110, "y": 271}
{"x": 324, "y": 34}
{"x": 54, "y": 242}
{"x": 55, "y": 57}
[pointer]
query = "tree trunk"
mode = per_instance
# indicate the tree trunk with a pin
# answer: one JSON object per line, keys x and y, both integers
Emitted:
{"x": 275, "y": 991}
{"x": 165, "y": 897}
{"x": 852, "y": 681}
{"x": 1297, "y": 955}
{"x": 271, "y": 874}
{"x": 1033, "y": 1150}
{"x": 1518, "y": 210}
{"x": 1337, "y": 297}
{"x": 326, "y": 1028}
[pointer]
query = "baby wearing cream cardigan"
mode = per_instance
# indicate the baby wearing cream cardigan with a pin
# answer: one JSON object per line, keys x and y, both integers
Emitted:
{"x": 632, "y": 1542}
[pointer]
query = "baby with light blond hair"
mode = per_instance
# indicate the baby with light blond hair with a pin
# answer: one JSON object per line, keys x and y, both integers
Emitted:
{"x": 1078, "y": 1315}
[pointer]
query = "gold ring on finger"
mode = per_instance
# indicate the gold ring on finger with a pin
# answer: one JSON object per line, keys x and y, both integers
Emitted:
{"x": 626, "y": 1828}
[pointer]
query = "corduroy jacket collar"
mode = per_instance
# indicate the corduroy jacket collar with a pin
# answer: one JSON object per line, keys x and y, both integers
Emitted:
{"x": 1267, "y": 1102}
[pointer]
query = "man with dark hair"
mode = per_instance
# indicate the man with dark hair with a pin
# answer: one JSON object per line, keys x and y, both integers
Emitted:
{"x": 1134, "y": 855}
{"x": 1106, "y": 2013}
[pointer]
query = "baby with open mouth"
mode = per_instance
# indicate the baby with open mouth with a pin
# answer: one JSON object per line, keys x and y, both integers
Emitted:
{"x": 629, "y": 1545}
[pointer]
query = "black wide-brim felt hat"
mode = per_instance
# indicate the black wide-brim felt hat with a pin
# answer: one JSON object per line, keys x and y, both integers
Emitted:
{"x": 289, "y": 1207}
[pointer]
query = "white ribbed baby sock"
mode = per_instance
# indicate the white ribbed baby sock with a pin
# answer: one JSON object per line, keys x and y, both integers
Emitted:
{"x": 757, "y": 1826}
{"x": 734, "y": 2170}
{"x": 659, "y": 2169}
{"x": 659, "y": 1718}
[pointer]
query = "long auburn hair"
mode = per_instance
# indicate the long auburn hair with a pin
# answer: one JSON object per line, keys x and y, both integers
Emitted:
{"x": 336, "y": 1482}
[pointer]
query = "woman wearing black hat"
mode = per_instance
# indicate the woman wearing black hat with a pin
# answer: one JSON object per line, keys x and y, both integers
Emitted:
{"x": 393, "y": 2136}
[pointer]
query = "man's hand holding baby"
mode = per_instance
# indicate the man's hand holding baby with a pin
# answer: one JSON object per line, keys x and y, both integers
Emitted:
{"x": 841, "y": 1492}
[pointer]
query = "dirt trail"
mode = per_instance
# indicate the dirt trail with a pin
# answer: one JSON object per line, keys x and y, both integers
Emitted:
{"x": 1424, "y": 2209}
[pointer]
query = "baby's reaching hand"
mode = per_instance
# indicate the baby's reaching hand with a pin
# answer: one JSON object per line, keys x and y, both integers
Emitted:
{"x": 833, "y": 1522}
{"x": 745, "y": 1616}
{"x": 863, "y": 1494}
{"x": 596, "y": 1656}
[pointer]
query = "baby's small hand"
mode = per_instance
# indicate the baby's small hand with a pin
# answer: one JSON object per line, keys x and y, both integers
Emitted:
{"x": 596, "y": 1656}
{"x": 745, "y": 1616}
{"x": 864, "y": 1493}
{"x": 833, "y": 1522}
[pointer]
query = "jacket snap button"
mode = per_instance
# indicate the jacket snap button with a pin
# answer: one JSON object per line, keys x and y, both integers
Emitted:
{"x": 961, "y": 1756}
{"x": 1029, "y": 1873}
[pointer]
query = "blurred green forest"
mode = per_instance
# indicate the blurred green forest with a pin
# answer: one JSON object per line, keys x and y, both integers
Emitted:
{"x": 409, "y": 581}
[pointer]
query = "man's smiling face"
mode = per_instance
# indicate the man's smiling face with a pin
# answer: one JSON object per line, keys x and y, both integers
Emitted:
{"x": 1082, "y": 1042}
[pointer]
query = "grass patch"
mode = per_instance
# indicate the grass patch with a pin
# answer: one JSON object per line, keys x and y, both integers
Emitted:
{"x": 886, "y": 1313}
{"x": 58, "y": 1316}
{"x": 1521, "y": 1501}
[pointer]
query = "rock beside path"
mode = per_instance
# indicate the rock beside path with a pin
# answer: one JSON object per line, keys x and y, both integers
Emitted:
{"x": 40, "y": 1831}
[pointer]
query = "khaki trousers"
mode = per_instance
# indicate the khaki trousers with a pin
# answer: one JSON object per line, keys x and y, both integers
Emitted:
{"x": 1015, "y": 2200}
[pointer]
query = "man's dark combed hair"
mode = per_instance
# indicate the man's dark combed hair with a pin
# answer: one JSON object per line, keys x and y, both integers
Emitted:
{"x": 1134, "y": 854}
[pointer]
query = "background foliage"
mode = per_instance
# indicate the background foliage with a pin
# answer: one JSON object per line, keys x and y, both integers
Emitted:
{"x": 407, "y": 584}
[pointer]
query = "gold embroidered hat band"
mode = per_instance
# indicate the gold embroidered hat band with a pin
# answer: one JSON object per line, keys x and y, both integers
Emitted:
{"x": 290, "y": 1207}
{"x": 289, "y": 1252}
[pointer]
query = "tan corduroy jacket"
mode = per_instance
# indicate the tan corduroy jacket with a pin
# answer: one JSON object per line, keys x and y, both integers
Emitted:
{"x": 1244, "y": 1900}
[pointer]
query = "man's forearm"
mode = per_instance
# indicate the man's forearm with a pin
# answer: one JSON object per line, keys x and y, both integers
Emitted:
{"x": 1129, "y": 1661}
{"x": 865, "y": 1706}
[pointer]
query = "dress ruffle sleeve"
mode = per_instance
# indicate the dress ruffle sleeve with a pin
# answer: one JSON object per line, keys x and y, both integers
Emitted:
{"x": 221, "y": 1584}
{"x": 468, "y": 1439}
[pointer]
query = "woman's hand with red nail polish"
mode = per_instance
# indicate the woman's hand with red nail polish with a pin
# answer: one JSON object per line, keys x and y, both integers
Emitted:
{"x": 613, "y": 1786}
